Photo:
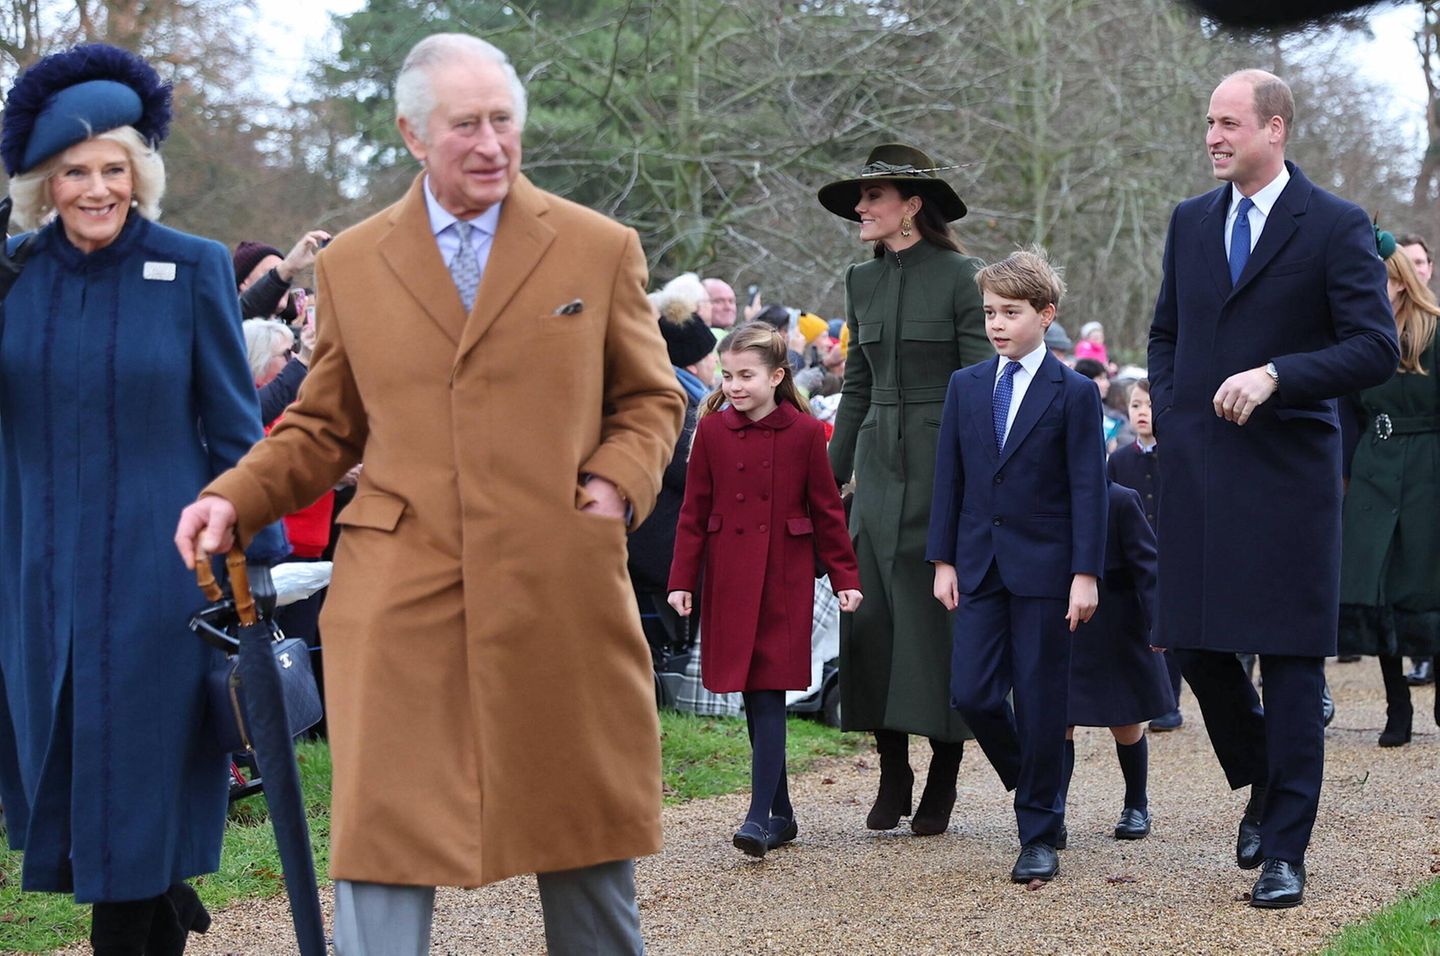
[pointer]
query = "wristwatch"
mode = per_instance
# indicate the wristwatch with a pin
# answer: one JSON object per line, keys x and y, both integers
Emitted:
{"x": 1273, "y": 372}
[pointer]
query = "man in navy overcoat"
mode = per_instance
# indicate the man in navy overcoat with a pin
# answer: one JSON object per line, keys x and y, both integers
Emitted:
{"x": 1272, "y": 304}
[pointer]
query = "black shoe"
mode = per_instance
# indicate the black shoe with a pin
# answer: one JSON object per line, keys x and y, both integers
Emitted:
{"x": 1279, "y": 887}
{"x": 1134, "y": 824}
{"x": 1038, "y": 861}
{"x": 782, "y": 831}
{"x": 1247, "y": 842}
{"x": 1424, "y": 673}
{"x": 1397, "y": 730}
{"x": 1170, "y": 721}
{"x": 1062, "y": 838}
{"x": 751, "y": 839}
{"x": 1327, "y": 704}
{"x": 1347, "y": 658}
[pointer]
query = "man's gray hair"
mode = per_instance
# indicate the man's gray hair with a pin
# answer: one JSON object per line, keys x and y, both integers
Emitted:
{"x": 414, "y": 93}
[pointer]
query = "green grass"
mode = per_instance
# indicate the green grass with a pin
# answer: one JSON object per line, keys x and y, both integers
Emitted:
{"x": 703, "y": 757}
{"x": 708, "y": 756}
{"x": 1408, "y": 927}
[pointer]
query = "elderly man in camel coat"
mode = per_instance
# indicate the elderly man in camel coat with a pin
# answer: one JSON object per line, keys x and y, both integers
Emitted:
{"x": 490, "y": 693}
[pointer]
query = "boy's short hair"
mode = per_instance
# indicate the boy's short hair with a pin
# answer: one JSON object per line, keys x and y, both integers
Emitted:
{"x": 1024, "y": 274}
{"x": 1142, "y": 384}
{"x": 1088, "y": 367}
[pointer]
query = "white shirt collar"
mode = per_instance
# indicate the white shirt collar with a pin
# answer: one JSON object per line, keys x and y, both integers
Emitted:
{"x": 1028, "y": 362}
{"x": 442, "y": 219}
{"x": 1264, "y": 198}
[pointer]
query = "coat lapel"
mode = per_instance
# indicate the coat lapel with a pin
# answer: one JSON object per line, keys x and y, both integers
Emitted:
{"x": 1280, "y": 225}
{"x": 1212, "y": 229}
{"x": 1038, "y": 397}
{"x": 412, "y": 254}
{"x": 982, "y": 383}
{"x": 520, "y": 241}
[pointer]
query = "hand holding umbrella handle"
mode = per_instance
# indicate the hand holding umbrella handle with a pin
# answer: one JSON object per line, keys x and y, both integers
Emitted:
{"x": 205, "y": 577}
{"x": 240, "y": 587}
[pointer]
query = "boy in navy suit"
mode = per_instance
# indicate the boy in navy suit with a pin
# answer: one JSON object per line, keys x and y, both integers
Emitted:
{"x": 1017, "y": 537}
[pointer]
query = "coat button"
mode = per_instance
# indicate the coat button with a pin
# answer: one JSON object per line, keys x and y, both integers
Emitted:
{"x": 998, "y": 521}
{"x": 740, "y": 497}
{"x": 765, "y": 463}
{"x": 999, "y": 479}
{"x": 767, "y": 435}
{"x": 764, "y": 496}
{"x": 762, "y": 529}
{"x": 739, "y": 466}
{"x": 740, "y": 433}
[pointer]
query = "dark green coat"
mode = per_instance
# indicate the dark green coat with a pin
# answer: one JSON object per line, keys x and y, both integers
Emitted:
{"x": 1390, "y": 565}
{"x": 914, "y": 318}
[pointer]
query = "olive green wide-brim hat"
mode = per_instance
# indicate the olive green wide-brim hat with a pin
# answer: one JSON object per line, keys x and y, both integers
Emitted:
{"x": 894, "y": 162}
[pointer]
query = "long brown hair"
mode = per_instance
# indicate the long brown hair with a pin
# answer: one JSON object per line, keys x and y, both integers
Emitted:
{"x": 933, "y": 229}
{"x": 1415, "y": 312}
{"x": 762, "y": 339}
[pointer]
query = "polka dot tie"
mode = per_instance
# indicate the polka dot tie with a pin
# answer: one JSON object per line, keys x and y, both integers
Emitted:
{"x": 463, "y": 267}
{"x": 1000, "y": 401}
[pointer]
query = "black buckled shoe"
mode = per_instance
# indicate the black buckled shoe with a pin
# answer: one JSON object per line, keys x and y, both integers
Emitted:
{"x": 1279, "y": 887}
{"x": 783, "y": 830}
{"x": 1134, "y": 824}
{"x": 751, "y": 839}
{"x": 1037, "y": 861}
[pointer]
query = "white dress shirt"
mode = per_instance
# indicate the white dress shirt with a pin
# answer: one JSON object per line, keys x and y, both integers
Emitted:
{"x": 1029, "y": 365}
{"x": 1264, "y": 201}
{"x": 448, "y": 238}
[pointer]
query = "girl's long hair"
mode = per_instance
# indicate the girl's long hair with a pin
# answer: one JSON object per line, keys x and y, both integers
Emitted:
{"x": 1415, "y": 312}
{"x": 762, "y": 339}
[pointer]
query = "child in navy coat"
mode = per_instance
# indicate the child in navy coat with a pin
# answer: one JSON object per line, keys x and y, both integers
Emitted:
{"x": 1017, "y": 537}
{"x": 1116, "y": 679}
{"x": 761, "y": 511}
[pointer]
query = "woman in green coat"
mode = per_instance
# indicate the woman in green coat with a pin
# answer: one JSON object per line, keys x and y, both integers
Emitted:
{"x": 1390, "y": 565}
{"x": 914, "y": 316}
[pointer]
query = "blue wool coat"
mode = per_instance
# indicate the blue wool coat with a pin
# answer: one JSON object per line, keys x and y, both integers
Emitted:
{"x": 1249, "y": 531}
{"x": 124, "y": 389}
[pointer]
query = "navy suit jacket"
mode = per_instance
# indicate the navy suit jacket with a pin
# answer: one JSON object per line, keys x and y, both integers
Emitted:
{"x": 1250, "y": 523}
{"x": 1037, "y": 509}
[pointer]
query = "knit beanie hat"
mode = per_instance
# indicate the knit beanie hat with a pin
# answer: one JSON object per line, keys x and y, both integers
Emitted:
{"x": 687, "y": 342}
{"x": 248, "y": 255}
{"x": 812, "y": 326}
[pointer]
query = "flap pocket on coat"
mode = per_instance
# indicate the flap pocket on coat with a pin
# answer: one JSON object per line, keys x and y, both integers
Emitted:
{"x": 372, "y": 509}
{"x": 714, "y": 522}
{"x": 1286, "y": 268}
{"x": 799, "y": 526}
{"x": 1322, "y": 414}
{"x": 928, "y": 330}
{"x": 871, "y": 332}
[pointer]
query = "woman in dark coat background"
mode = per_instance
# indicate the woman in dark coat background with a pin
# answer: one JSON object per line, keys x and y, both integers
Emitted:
{"x": 914, "y": 316}
{"x": 1390, "y": 562}
{"x": 123, "y": 390}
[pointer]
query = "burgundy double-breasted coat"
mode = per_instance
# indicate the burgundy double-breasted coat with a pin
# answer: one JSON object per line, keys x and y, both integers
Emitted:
{"x": 762, "y": 518}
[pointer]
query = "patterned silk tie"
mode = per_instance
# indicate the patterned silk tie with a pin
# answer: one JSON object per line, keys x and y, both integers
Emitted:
{"x": 463, "y": 268}
{"x": 1000, "y": 402}
{"x": 1240, "y": 239}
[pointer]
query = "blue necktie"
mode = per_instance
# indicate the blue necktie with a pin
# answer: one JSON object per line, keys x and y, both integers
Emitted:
{"x": 1000, "y": 402}
{"x": 1240, "y": 239}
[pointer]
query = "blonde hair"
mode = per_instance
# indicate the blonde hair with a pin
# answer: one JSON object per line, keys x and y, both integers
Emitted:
{"x": 769, "y": 344}
{"x": 260, "y": 338}
{"x": 1025, "y": 274}
{"x": 30, "y": 191}
{"x": 1415, "y": 312}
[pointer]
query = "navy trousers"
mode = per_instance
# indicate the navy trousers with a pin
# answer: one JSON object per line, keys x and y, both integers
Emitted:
{"x": 1004, "y": 643}
{"x": 1281, "y": 744}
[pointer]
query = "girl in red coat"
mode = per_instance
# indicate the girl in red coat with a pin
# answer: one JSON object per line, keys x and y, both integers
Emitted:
{"x": 761, "y": 517}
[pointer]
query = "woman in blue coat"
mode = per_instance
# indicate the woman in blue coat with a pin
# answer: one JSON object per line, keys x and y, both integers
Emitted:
{"x": 123, "y": 390}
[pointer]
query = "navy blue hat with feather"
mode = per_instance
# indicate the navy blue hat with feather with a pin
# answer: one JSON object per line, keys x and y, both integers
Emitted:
{"x": 66, "y": 98}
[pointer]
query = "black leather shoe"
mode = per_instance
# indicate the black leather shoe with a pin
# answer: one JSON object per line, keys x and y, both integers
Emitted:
{"x": 1037, "y": 861}
{"x": 1327, "y": 705}
{"x": 1247, "y": 843}
{"x": 751, "y": 839}
{"x": 1170, "y": 721}
{"x": 1279, "y": 887}
{"x": 782, "y": 831}
{"x": 1134, "y": 824}
{"x": 1424, "y": 673}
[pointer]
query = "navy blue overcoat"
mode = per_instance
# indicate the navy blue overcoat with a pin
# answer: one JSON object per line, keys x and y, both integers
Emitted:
{"x": 1249, "y": 530}
{"x": 123, "y": 390}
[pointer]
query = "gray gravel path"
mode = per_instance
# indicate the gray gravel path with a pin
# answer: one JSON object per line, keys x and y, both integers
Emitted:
{"x": 842, "y": 889}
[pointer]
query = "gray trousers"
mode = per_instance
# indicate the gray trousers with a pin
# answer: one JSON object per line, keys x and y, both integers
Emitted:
{"x": 588, "y": 912}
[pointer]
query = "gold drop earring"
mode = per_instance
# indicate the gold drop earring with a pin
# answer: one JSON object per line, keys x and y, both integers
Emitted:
{"x": 905, "y": 225}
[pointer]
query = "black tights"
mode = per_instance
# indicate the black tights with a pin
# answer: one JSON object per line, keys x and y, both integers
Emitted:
{"x": 769, "y": 791}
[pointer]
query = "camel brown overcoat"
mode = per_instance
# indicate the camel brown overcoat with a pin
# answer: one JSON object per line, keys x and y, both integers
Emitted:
{"x": 490, "y": 696}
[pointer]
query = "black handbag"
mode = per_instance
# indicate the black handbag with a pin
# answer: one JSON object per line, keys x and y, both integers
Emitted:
{"x": 219, "y": 624}
{"x": 12, "y": 255}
